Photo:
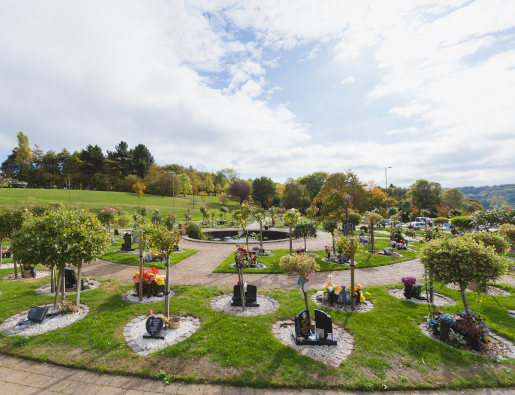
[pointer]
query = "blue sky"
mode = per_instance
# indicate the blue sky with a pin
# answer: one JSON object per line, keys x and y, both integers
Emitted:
{"x": 276, "y": 88}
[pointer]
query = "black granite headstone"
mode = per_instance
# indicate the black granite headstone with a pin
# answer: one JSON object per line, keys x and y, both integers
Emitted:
{"x": 250, "y": 296}
{"x": 37, "y": 314}
{"x": 127, "y": 240}
{"x": 386, "y": 251}
{"x": 70, "y": 280}
{"x": 302, "y": 324}
{"x": 116, "y": 232}
{"x": 324, "y": 324}
{"x": 154, "y": 327}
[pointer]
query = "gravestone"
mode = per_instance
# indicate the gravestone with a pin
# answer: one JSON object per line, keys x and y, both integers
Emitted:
{"x": 343, "y": 296}
{"x": 126, "y": 246}
{"x": 343, "y": 258}
{"x": 324, "y": 328}
{"x": 116, "y": 233}
{"x": 70, "y": 280}
{"x": 386, "y": 251}
{"x": 37, "y": 314}
{"x": 302, "y": 331}
{"x": 250, "y": 296}
{"x": 154, "y": 327}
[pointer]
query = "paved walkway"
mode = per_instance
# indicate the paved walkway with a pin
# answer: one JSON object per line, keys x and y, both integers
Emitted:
{"x": 18, "y": 376}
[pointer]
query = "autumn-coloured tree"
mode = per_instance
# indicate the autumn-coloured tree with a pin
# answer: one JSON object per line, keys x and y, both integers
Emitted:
{"x": 138, "y": 189}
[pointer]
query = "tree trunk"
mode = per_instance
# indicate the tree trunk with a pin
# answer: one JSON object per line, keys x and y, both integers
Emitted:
{"x": 56, "y": 296}
{"x": 290, "y": 239}
{"x": 167, "y": 287}
{"x": 352, "y": 299}
{"x": 139, "y": 201}
{"x": 1, "y": 251}
{"x": 334, "y": 247}
{"x": 141, "y": 266}
{"x": 14, "y": 260}
{"x": 306, "y": 300}
{"x": 79, "y": 285}
{"x": 372, "y": 236}
{"x": 261, "y": 234}
{"x": 242, "y": 287}
{"x": 63, "y": 288}
{"x": 431, "y": 290}
{"x": 464, "y": 299}
{"x": 52, "y": 279}
{"x": 305, "y": 246}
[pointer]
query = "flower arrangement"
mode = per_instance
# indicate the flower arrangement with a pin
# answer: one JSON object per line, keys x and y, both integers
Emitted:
{"x": 300, "y": 250}
{"x": 244, "y": 286}
{"x": 152, "y": 282}
{"x": 360, "y": 293}
{"x": 409, "y": 281}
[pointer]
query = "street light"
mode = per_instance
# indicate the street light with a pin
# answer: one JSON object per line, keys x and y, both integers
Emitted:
{"x": 386, "y": 176}
{"x": 173, "y": 190}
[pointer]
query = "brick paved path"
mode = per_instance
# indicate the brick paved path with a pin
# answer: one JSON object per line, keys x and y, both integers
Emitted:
{"x": 18, "y": 376}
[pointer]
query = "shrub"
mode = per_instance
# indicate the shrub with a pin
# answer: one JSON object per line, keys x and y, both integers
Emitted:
{"x": 194, "y": 231}
{"x": 364, "y": 228}
{"x": 508, "y": 231}
{"x": 56, "y": 206}
{"x": 440, "y": 220}
{"x": 490, "y": 240}
{"x": 39, "y": 210}
{"x": 462, "y": 222}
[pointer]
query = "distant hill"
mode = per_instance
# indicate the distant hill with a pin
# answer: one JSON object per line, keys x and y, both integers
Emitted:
{"x": 491, "y": 197}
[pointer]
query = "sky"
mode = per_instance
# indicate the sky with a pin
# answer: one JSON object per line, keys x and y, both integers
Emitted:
{"x": 274, "y": 88}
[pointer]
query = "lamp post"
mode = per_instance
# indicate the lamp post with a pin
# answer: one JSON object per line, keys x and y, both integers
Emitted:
{"x": 386, "y": 176}
{"x": 173, "y": 190}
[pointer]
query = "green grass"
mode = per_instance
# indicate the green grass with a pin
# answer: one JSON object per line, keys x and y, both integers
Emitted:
{"x": 389, "y": 351}
{"x": 363, "y": 260}
{"x": 99, "y": 199}
{"x": 133, "y": 259}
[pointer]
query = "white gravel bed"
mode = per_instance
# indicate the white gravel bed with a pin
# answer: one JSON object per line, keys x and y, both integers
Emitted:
{"x": 46, "y": 289}
{"x": 222, "y": 303}
{"x": 8, "y": 266}
{"x": 330, "y": 355}
{"x": 491, "y": 291}
{"x": 134, "y": 331}
{"x": 438, "y": 299}
{"x": 501, "y": 348}
{"x": 318, "y": 298}
{"x": 40, "y": 274}
{"x": 129, "y": 297}
{"x": 10, "y": 326}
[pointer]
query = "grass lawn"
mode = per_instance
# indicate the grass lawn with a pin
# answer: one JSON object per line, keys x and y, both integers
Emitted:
{"x": 363, "y": 260}
{"x": 389, "y": 350}
{"x": 133, "y": 259}
{"x": 123, "y": 200}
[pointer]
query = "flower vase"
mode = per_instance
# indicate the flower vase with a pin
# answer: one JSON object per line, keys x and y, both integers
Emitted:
{"x": 331, "y": 298}
{"x": 408, "y": 291}
{"x": 476, "y": 345}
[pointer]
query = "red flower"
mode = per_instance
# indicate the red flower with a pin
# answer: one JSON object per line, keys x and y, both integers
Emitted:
{"x": 154, "y": 270}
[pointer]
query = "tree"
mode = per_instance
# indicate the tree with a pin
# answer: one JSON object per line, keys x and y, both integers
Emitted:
{"x": 12, "y": 221}
{"x": 335, "y": 205}
{"x": 354, "y": 218}
{"x": 222, "y": 197}
{"x": 241, "y": 216}
{"x": 204, "y": 212}
{"x": 10, "y": 168}
{"x": 452, "y": 197}
{"x": 186, "y": 184}
{"x": 462, "y": 260}
{"x": 490, "y": 239}
{"x": 165, "y": 240}
{"x": 462, "y": 222}
{"x": 107, "y": 215}
{"x": 312, "y": 212}
{"x": 60, "y": 238}
{"x": 92, "y": 162}
{"x": 330, "y": 226}
{"x": 373, "y": 219}
{"x": 23, "y": 154}
{"x": 224, "y": 210}
{"x": 303, "y": 266}
{"x": 121, "y": 159}
{"x": 261, "y": 220}
{"x": 440, "y": 220}
{"x": 425, "y": 194}
{"x": 209, "y": 184}
{"x": 263, "y": 188}
{"x": 304, "y": 231}
{"x": 218, "y": 188}
{"x": 313, "y": 183}
{"x": 493, "y": 217}
{"x": 349, "y": 184}
{"x": 291, "y": 216}
{"x": 239, "y": 189}
{"x": 443, "y": 210}
{"x": 142, "y": 159}
{"x": 295, "y": 196}
{"x": 508, "y": 231}
{"x": 138, "y": 189}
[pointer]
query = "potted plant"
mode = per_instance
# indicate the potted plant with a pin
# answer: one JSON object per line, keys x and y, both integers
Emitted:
{"x": 332, "y": 292}
{"x": 408, "y": 282}
{"x": 174, "y": 322}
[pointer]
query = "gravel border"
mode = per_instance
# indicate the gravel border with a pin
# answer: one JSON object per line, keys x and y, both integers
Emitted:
{"x": 329, "y": 355}
{"x": 45, "y": 289}
{"x": 438, "y": 299}
{"x": 508, "y": 345}
{"x": 360, "y": 307}
{"x": 490, "y": 291}
{"x": 127, "y": 296}
{"x": 40, "y": 274}
{"x": 60, "y": 321}
{"x": 259, "y": 265}
{"x": 136, "y": 328}
{"x": 222, "y": 303}
{"x": 7, "y": 266}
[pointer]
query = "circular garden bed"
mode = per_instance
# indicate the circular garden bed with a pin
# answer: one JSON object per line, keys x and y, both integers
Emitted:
{"x": 222, "y": 303}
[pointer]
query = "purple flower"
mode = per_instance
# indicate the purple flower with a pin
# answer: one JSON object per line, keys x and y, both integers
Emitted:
{"x": 409, "y": 280}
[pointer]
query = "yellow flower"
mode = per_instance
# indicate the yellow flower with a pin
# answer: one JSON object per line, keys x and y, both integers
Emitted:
{"x": 362, "y": 298}
{"x": 239, "y": 215}
{"x": 367, "y": 293}
{"x": 242, "y": 205}
{"x": 242, "y": 221}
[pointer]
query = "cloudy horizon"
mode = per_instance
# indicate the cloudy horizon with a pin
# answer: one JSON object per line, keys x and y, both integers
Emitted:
{"x": 280, "y": 89}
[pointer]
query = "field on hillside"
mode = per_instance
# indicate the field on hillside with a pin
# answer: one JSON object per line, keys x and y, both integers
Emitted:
{"x": 99, "y": 199}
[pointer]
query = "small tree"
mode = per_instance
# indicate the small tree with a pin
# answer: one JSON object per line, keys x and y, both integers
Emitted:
{"x": 330, "y": 226}
{"x": 490, "y": 240}
{"x": 461, "y": 260}
{"x": 60, "y": 238}
{"x": 13, "y": 220}
{"x": 204, "y": 212}
{"x": 241, "y": 258}
{"x": 170, "y": 221}
{"x": 106, "y": 216}
{"x": 293, "y": 217}
{"x": 440, "y": 220}
{"x": 508, "y": 231}
{"x": 203, "y": 194}
{"x": 273, "y": 212}
{"x": 224, "y": 210}
{"x": 352, "y": 249}
{"x": 222, "y": 197}
{"x": 261, "y": 219}
{"x": 372, "y": 220}
{"x": 164, "y": 241}
{"x": 304, "y": 231}
{"x": 241, "y": 216}
{"x": 302, "y": 265}
{"x": 462, "y": 222}
{"x": 312, "y": 212}
{"x": 138, "y": 189}
{"x": 123, "y": 220}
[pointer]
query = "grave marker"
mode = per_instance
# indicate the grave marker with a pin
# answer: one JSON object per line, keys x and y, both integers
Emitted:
{"x": 154, "y": 327}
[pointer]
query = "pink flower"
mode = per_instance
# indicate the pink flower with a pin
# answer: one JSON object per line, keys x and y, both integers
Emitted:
{"x": 26, "y": 210}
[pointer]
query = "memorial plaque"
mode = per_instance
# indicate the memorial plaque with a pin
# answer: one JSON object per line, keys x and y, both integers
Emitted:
{"x": 154, "y": 327}
{"x": 386, "y": 251}
{"x": 127, "y": 246}
{"x": 37, "y": 314}
{"x": 70, "y": 280}
{"x": 324, "y": 323}
{"x": 302, "y": 324}
{"x": 116, "y": 233}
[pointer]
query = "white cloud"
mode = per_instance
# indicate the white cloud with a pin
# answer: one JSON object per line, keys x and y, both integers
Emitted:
{"x": 348, "y": 80}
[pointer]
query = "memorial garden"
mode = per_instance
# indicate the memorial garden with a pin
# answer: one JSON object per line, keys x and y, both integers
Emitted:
{"x": 334, "y": 307}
